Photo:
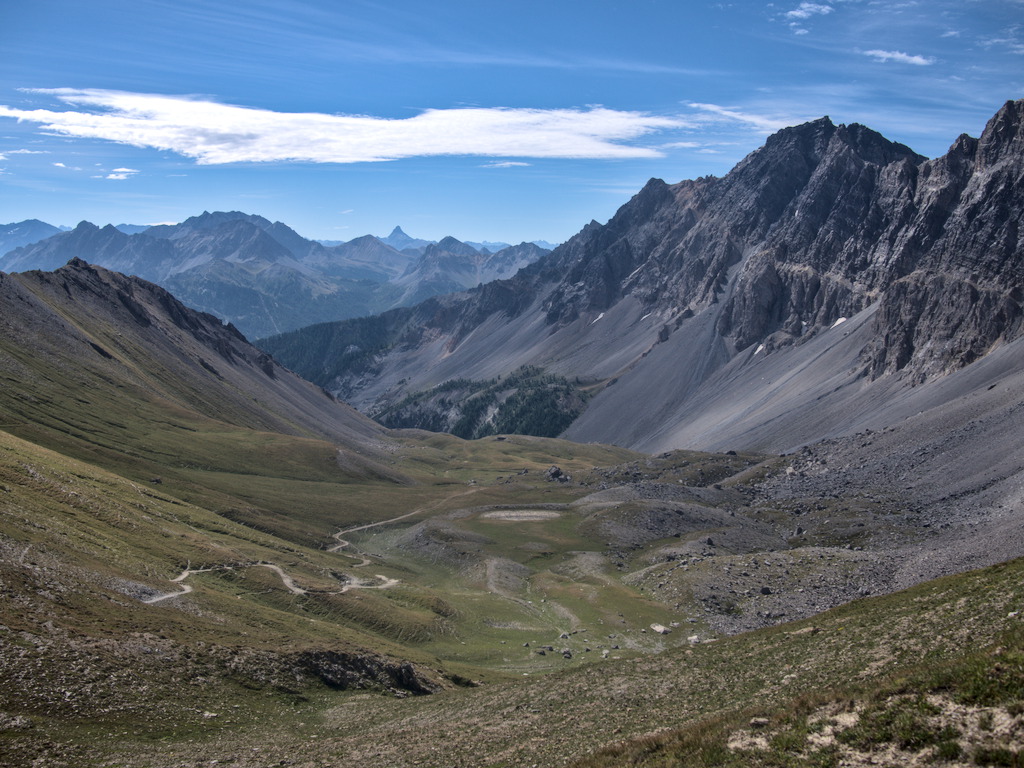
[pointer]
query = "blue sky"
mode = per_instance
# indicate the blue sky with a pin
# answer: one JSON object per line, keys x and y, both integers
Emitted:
{"x": 483, "y": 119}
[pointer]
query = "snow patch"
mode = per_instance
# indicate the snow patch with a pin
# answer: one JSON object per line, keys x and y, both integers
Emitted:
{"x": 840, "y": 321}
{"x": 597, "y": 318}
{"x": 760, "y": 348}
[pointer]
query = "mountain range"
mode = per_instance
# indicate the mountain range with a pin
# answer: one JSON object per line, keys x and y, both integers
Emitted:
{"x": 205, "y": 558}
{"x": 833, "y": 281}
{"x": 263, "y": 276}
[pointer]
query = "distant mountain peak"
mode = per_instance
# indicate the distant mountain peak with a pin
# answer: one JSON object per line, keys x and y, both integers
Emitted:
{"x": 399, "y": 240}
{"x": 448, "y": 243}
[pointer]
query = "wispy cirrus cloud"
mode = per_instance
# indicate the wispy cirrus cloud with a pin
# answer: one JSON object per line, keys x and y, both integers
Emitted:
{"x": 212, "y": 133}
{"x": 506, "y": 164}
{"x": 807, "y": 10}
{"x": 899, "y": 57}
{"x": 760, "y": 122}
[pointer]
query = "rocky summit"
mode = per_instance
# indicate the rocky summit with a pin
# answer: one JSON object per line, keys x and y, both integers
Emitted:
{"x": 831, "y": 270}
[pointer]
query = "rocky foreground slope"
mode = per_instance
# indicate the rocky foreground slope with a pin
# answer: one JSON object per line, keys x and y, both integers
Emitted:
{"x": 831, "y": 271}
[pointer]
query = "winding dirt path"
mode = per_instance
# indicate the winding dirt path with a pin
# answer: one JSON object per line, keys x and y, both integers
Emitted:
{"x": 289, "y": 582}
{"x": 342, "y": 543}
{"x": 179, "y": 579}
{"x": 386, "y": 582}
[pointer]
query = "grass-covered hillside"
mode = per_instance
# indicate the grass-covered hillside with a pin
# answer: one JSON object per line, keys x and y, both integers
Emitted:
{"x": 204, "y": 558}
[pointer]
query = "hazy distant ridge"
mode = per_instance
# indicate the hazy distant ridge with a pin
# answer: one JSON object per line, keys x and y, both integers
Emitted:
{"x": 262, "y": 276}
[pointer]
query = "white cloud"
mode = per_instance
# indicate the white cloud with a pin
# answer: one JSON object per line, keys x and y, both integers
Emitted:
{"x": 120, "y": 174}
{"x": 26, "y": 151}
{"x": 60, "y": 165}
{"x": 762, "y": 123}
{"x": 505, "y": 164}
{"x": 899, "y": 57}
{"x": 806, "y": 10}
{"x": 214, "y": 133}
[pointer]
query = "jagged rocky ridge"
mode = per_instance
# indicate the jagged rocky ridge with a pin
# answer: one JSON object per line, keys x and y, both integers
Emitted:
{"x": 830, "y": 250}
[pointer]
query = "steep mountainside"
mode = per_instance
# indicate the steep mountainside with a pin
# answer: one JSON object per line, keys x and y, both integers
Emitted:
{"x": 263, "y": 276}
{"x": 95, "y": 324}
{"x": 831, "y": 270}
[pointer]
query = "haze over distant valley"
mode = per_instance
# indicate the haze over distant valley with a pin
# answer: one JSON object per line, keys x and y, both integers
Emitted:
{"x": 264, "y": 277}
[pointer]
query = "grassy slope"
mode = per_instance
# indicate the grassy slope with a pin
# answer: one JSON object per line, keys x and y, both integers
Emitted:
{"x": 79, "y": 540}
{"x": 87, "y": 532}
{"x": 953, "y": 637}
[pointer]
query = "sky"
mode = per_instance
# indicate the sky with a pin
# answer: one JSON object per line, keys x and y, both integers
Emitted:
{"x": 480, "y": 119}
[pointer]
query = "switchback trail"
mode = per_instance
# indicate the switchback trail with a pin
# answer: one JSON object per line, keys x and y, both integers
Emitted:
{"x": 386, "y": 582}
{"x": 342, "y": 543}
{"x": 289, "y": 583}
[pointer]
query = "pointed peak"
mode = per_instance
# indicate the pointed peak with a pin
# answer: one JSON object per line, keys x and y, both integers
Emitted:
{"x": 823, "y": 125}
{"x": 1003, "y": 135}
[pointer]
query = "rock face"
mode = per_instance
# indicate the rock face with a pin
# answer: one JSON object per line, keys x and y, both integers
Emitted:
{"x": 830, "y": 250}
